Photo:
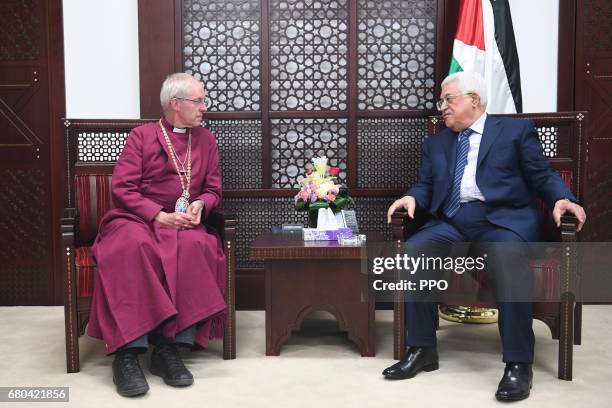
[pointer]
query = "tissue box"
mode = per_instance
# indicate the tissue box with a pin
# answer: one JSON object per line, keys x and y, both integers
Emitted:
{"x": 313, "y": 234}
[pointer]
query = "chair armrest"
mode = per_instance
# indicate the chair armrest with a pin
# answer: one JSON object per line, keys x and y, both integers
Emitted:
{"x": 397, "y": 224}
{"x": 221, "y": 221}
{"x": 402, "y": 226}
{"x": 569, "y": 224}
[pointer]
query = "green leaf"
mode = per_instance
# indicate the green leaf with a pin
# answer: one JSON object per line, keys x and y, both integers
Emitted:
{"x": 341, "y": 202}
{"x": 319, "y": 204}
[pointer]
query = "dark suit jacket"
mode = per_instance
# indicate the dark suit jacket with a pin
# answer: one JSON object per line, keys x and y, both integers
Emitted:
{"x": 511, "y": 172}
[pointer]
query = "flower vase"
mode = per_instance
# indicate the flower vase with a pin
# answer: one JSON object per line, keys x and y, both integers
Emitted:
{"x": 313, "y": 215}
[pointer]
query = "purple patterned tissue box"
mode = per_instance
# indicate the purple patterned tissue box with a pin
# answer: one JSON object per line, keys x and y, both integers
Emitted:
{"x": 313, "y": 234}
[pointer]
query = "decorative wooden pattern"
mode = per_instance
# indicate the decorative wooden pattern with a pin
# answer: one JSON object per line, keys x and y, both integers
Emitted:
{"x": 296, "y": 141}
{"x": 23, "y": 195}
{"x": 256, "y": 216}
{"x": 548, "y": 138}
{"x": 20, "y": 33}
{"x": 389, "y": 151}
{"x": 593, "y": 93}
{"x": 372, "y": 214}
{"x": 221, "y": 46}
{"x": 31, "y": 105}
{"x": 308, "y": 49}
{"x": 597, "y": 17}
{"x": 23, "y": 285}
{"x": 102, "y": 146}
{"x": 396, "y": 54}
{"x": 24, "y": 237}
{"x": 240, "y": 152}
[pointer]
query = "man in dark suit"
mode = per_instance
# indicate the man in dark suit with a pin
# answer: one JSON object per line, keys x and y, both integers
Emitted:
{"x": 479, "y": 180}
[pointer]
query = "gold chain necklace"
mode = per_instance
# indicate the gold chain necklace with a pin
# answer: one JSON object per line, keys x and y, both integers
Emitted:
{"x": 182, "y": 203}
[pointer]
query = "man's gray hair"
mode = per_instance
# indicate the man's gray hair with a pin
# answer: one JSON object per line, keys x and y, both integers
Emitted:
{"x": 469, "y": 81}
{"x": 174, "y": 86}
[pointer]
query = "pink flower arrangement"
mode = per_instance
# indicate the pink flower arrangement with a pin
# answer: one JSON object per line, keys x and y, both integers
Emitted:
{"x": 319, "y": 189}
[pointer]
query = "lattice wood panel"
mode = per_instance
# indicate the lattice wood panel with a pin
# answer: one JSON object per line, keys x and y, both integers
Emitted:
{"x": 222, "y": 48}
{"x": 549, "y": 139}
{"x": 256, "y": 216}
{"x": 296, "y": 141}
{"x": 101, "y": 146}
{"x": 308, "y": 48}
{"x": 372, "y": 214}
{"x": 389, "y": 151}
{"x": 396, "y": 54}
{"x": 240, "y": 152}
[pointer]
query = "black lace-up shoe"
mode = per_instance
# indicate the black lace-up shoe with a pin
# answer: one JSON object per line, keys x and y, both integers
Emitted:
{"x": 166, "y": 362}
{"x": 128, "y": 376}
{"x": 516, "y": 383}
{"x": 417, "y": 359}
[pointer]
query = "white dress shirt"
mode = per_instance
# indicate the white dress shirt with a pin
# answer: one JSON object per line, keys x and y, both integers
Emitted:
{"x": 469, "y": 190}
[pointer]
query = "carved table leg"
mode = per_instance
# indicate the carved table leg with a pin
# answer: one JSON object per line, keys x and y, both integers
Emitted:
{"x": 296, "y": 288}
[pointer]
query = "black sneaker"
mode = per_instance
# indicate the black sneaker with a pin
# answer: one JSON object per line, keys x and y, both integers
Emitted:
{"x": 128, "y": 376}
{"x": 166, "y": 362}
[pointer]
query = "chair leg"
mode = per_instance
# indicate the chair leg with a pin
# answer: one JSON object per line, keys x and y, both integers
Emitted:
{"x": 229, "y": 334}
{"x": 399, "y": 329}
{"x": 578, "y": 324}
{"x": 566, "y": 336}
{"x": 72, "y": 341}
{"x": 70, "y": 313}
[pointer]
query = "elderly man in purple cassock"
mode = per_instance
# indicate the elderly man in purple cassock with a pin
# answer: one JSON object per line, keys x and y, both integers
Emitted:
{"x": 161, "y": 274}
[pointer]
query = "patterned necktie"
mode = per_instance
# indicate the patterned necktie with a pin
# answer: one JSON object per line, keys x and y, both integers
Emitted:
{"x": 452, "y": 203}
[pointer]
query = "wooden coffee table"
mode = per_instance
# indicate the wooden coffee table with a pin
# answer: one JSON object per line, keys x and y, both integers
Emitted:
{"x": 302, "y": 277}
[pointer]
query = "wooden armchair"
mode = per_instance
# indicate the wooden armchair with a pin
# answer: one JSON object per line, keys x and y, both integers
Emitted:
{"x": 564, "y": 142}
{"x": 88, "y": 198}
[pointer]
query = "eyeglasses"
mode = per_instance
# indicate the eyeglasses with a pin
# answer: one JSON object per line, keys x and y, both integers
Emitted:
{"x": 449, "y": 98}
{"x": 198, "y": 101}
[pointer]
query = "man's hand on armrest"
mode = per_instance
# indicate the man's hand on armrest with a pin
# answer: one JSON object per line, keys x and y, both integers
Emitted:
{"x": 407, "y": 203}
{"x": 566, "y": 206}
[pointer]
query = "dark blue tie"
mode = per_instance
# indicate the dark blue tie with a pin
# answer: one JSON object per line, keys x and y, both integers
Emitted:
{"x": 452, "y": 203}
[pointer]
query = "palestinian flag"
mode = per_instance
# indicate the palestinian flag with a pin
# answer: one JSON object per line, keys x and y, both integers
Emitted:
{"x": 485, "y": 43}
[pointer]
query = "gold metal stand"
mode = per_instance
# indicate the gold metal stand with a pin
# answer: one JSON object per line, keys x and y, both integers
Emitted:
{"x": 468, "y": 314}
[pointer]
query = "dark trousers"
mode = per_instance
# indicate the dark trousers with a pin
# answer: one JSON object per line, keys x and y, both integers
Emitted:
{"x": 183, "y": 338}
{"x": 515, "y": 318}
